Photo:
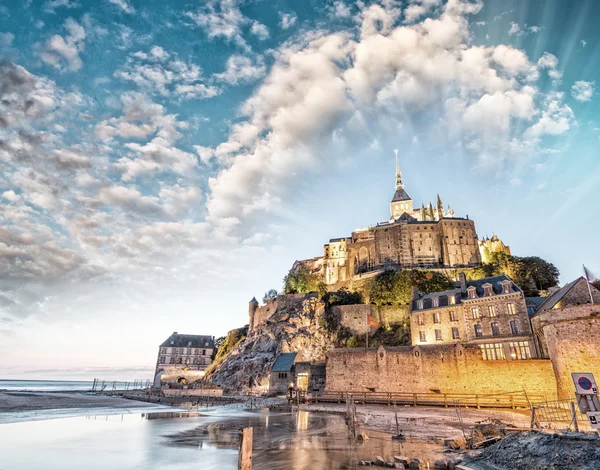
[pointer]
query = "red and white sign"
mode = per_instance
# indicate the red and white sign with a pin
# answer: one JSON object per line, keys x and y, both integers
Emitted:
{"x": 585, "y": 383}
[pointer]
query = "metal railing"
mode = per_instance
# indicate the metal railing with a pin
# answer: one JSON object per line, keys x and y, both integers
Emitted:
{"x": 512, "y": 400}
{"x": 557, "y": 413}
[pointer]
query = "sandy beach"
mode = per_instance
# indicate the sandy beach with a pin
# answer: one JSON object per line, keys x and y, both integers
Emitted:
{"x": 12, "y": 402}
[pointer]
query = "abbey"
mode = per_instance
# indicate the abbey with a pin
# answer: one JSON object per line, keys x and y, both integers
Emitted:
{"x": 428, "y": 237}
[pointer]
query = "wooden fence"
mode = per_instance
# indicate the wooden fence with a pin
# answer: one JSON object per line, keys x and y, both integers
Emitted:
{"x": 512, "y": 400}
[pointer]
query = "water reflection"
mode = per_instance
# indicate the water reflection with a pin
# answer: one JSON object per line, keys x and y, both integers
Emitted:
{"x": 196, "y": 439}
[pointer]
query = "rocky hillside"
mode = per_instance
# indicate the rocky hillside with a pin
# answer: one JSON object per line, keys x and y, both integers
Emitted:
{"x": 294, "y": 327}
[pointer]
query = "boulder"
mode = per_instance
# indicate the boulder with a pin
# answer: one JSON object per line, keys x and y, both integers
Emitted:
{"x": 402, "y": 460}
{"x": 380, "y": 461}
{"x": 399, "y": 465}
{"x": 416, "y": 464}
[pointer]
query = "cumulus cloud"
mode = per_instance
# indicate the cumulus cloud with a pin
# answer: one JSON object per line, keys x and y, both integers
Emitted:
{"x": 287, "y": 20}
{"x": 242, "y": 69}
{"x": 63, "y": 52}
{"x": 418, "y": 8}
{"x": 583, "y": 91}
{"x": 321, "y": 86}
{"x": 51, "y": 5}
{"x": 6, "y": 39}
{"x": 259, "y": 30}
{"x": 221, "y": 19}
{"x": 340, "y": 9}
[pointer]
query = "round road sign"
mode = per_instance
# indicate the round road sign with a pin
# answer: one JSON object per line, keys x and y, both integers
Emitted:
{"x": 585, "y": 383}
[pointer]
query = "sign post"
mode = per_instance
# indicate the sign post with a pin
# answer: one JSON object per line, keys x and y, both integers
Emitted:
{"x": 586, "y": 392}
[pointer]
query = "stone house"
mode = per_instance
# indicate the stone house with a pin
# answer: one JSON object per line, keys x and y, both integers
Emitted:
{"x": 489, "y": 312}
{"x": 183, "y": 358}
{"x": 310, "y": 377}
{"x": 282, "y": 373}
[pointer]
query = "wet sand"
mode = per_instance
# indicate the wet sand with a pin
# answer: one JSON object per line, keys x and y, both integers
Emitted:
{"x": 427, "y": 423}
{"x": 12, "y": 402}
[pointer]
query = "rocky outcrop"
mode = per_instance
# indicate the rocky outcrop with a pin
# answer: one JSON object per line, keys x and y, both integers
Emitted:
{"x": 293, "y": 327}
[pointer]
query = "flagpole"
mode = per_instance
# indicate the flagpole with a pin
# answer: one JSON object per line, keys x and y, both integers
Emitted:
{"x": 588, "y": 284}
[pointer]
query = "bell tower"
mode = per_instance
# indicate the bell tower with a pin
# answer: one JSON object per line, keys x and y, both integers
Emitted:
{"x": 401, "y": 202}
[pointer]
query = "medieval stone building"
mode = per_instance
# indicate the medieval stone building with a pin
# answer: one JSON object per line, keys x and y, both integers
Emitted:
{"x": 428, "y": 237}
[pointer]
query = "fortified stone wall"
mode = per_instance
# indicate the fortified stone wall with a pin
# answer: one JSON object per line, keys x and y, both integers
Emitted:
{"x": 423, "y": 369}
{"x": 179, "y": 374}
{"x": 571, "y": 337}
{"x": 354, "y": 317}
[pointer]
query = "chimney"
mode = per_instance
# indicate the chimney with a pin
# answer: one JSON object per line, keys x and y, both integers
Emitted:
{"x": 174, "y": 332}
{"x": 415, "y": 293}
{"x": 463, "y": 282}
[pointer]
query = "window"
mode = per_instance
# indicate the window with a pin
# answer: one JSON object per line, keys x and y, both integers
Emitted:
{"x": 436, "y": 318}
{"x": 422, "y": 337}
{"x": 421, "y": 321}
{"x": 506, "y": 287}
{"x": 519, "y": 350}
{"x": 438, "y": 335}
{"x": 488, "y": 290}
{"x": 161, "y": 360}
{"x": 511, "y": 309}
{"x": 455, "y": 333}
{"x": 492, "y": 352}
{"x": 495, "y": 329}
{"x": 453, "y": 316}
{"x": 472, "y": 293}
{"x": 204, "y": 352}
{"x": 492, "y": 310}
{"x": 163, "y": 350}
{"x": 452, "y": 299}
{"x": 514, "y": 328}
{"x": 419, "y": 304}
{"x": 436, "y": 301}
{"x": 475, "y": 312}
{"x": 478, "y": 330}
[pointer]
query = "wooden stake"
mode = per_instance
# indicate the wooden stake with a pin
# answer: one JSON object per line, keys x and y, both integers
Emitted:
{"x": 245, "y": 454}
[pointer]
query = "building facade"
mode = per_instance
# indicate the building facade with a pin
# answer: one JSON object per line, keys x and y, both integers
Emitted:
{"x": 183, "y": 358}
{"x": 428, "y": 237}
{"x": 489, "y": 312}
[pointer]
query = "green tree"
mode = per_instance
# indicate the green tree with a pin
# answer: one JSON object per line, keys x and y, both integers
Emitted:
{"x": 270, "y": 294}
{"x": 301, "y": 280}
{"x": 395, "y": 287}
{"x": 342, "y": 297}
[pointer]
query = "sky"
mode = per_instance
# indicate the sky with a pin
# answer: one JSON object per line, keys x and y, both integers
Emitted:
{"x": 161, "y": 163}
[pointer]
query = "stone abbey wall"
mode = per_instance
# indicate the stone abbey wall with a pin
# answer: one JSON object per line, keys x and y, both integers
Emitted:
{"x": 357, "y": 317}
{"x": 447, "y": 368}
{"x": 572, "y": 341}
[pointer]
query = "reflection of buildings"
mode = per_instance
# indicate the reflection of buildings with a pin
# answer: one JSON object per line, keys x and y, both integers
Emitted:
{"x": 183, "y": 358}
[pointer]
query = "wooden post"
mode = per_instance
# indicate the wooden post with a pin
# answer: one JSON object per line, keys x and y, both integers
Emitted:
{"x": 245, "y": 454}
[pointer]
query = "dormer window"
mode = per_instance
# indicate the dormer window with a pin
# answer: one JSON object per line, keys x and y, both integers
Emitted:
{"x": 419, "y": 305}
{"x": 452, "y": 299}
{"x": 506, "y": 287}
{"x": 172, "y": 343}
{"x": 436, "y": 301}
{"x": 487, "y": 289}
{"x": 189, "y": 344}
{"x": 472, "y": 292}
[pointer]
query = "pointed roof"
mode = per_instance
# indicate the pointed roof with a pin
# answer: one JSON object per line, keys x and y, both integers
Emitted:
{"x": 254, "y": 301}
{"x": 550, "y": 302}
{"x": 400, "y": 195}
{"x": 284, "y": 362}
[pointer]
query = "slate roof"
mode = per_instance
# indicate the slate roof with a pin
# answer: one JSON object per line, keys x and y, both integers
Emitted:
{"x": 550, "y": 302}
{"x": 495, "y": 281}
{"x": 284, "y": 362}
{"x": 400, "y": 195}
{"x": 177, "y": 340}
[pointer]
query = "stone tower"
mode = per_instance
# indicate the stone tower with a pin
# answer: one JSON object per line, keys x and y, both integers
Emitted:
{"x": 252, "y": 306}
{"x": 401, "y": 202}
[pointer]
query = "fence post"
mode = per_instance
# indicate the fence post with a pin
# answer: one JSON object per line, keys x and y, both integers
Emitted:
{"x": 574, "y": 416}
{"x": 245, "y": 452}
{"x": 532, "y": 417}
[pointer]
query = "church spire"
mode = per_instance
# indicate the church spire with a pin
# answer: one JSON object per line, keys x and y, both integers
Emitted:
{"x": 399, "y": 184}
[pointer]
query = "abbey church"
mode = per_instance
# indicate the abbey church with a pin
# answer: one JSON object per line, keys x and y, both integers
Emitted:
{"x": 429, "y": 237}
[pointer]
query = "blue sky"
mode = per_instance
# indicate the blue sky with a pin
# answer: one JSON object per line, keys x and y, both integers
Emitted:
{"x": 163, "y": 162}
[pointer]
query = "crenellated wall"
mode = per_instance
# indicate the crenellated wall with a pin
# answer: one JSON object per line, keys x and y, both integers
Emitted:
{"x": 447, "y": 368}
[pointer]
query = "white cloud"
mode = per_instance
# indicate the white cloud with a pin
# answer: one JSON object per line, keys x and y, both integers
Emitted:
{"x": 51, "y": 5}
{"x": 259, "y": 30}
{"x": 241, "y": 69}
{"x": 418, "y": 8}
{"x": 339, "y": 9}
{"x": 197, "y": 90}
{"x": 583, "y": 43}
{"x": 287, "y": 20}
{"x": 6, "y": 39}
{"x": 59, "y": 49}
{"x": 514, "y": 29}
{"x": 556, "y": 119}
{"x": 123, "y": 5}
{"x": 221, "y": 19}
{"x": 583, "y": 91}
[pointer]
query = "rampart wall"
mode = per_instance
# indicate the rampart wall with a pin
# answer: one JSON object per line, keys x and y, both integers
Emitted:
{"x": 423, "y": 369}
{"x": 357, "y": 318}
{"x": 572, "y": 341}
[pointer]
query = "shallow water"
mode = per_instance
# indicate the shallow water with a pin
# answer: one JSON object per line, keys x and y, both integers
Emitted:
{"x": 182, "y": 441}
